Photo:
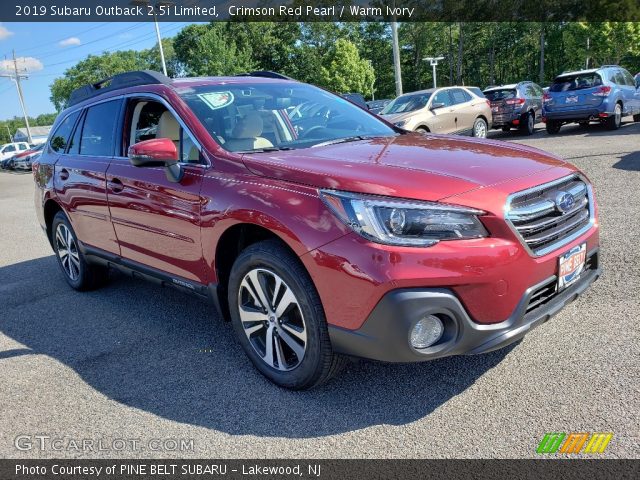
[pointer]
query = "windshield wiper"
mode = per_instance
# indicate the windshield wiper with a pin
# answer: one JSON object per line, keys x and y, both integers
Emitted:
{"x": 265, "y": 149}
{"x": 354, "y": 138}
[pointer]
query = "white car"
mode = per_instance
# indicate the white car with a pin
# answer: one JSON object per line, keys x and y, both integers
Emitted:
{"x": 8, "y": 150}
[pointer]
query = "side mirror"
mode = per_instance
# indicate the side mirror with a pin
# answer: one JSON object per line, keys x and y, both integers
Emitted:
{"x": 436, "y": 105}
{"x": 157, "y": 152}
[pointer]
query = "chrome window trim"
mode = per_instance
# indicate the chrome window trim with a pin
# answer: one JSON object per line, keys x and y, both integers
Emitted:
{"x": 564, "y": 241}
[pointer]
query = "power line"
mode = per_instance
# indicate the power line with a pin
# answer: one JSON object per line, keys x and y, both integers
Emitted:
{"x": 141, "y": 39}
{"x": 65, "y": 37}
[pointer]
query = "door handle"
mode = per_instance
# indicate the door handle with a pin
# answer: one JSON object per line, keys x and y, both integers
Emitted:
{"x": 64, "y": 174}
{"x": 115, "y": 185}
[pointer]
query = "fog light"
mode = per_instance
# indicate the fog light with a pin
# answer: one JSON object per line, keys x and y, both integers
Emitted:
{"x": 426, "y": 332}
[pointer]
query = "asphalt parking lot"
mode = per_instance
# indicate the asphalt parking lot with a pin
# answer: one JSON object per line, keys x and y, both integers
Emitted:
{"x": 136, "y": 362}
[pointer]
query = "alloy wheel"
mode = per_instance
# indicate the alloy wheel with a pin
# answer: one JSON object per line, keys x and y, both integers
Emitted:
{"x": 272, "y": 319}
{"x": 67, "y": 250}
{"x": 618, "y": 114}
{"x": 480, "y": 130}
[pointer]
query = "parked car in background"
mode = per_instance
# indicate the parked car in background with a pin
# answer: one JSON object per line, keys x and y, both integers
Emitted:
{"x": 23, "y": 161}
{"x": 8, "y": 150}
{"x": 604, "y": 94}
{"x": 376, "y": 106}
{"x": 356, "y": 98}
{"x": 518, "y": 105}
{"x": 450, "y": 110}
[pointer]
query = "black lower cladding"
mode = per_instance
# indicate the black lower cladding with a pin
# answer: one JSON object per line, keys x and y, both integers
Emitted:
{"x": 385, "y": 334}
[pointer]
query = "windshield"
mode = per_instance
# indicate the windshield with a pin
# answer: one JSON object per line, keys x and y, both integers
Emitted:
{"x": 580, "y": 81}
{"x": 265, "y": 116}
{"x": 407, "y": 103}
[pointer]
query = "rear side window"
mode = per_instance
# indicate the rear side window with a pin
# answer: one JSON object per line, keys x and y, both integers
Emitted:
{"x": 60, "y": 138}
{"x": 476, "y": 91}
{"x": 567, "y": 83}
{"x": 98, "y": 131}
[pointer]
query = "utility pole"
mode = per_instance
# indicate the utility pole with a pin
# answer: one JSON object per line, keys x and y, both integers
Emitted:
{"x": 396, "y": 58}
{"x": 16, "y": 78}
{"x": 155, "y": 20}
{"x": 155, "y": 5}
{"x": 434, "y": 63}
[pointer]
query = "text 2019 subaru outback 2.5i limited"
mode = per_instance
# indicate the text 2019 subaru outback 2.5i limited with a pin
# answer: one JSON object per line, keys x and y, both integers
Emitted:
{"x": 319, "y": 229}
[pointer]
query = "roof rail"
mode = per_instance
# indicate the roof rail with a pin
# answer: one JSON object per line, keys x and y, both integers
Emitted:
{"x": 609, "y": 66}
{"x": 265, "y": 74}
{"x": 121, "y": 80}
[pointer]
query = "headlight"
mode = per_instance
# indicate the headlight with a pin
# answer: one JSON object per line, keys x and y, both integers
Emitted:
{"x": 404, "y": 222}
{"x": 401, "y": 123}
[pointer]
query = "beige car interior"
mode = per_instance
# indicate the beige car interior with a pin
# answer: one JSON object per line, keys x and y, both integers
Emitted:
{"x": 246, "y": 134}
{"x": 168, "y": 127}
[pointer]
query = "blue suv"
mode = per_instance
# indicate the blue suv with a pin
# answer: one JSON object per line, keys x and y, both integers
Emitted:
{"x": 604, "y": 94}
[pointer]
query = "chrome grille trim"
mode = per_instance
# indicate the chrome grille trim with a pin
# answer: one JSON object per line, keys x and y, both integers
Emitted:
{"x": 532, "y": 215}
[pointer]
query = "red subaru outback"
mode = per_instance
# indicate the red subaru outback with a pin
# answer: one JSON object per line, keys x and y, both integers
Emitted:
{"x": 319, "y": 229}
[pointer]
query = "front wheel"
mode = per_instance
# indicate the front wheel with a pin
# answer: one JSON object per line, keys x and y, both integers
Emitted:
{"x": 614, "y": 121}
{"x": 479, "y": 128}
{"x": 278, "y": 317}
{"x": 78, "y": 273}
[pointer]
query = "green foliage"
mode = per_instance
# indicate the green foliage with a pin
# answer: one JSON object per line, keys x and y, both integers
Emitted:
{"x": 344, "y": 71}
{"x": 208, "y": 50}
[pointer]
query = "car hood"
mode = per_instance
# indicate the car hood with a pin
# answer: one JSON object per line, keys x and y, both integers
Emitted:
{"x": 425, "y": 167}
{"x": 398, "y": 117}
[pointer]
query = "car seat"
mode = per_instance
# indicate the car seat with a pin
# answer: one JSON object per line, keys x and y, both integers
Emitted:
{"x": 246, "y": 134}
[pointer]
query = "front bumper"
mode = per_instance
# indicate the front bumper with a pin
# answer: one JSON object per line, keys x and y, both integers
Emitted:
{"x": 385, "y": 334}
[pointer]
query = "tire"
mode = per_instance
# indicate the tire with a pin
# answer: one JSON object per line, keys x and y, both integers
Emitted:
{"x": 614, "y": 121}
{"x": 479, "y": 128}
{"x": 78, "y": 273}
{"x": 300, "y": 354}
{"x": 422, "y": 130}
{"x": 528, "y": 124}
{"x": 636, "y": 118}
{"x": 553, "y": 127}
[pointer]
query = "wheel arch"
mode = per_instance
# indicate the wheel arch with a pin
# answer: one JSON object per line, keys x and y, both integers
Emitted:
{"x": 50, "y": 209}
{"x": 231, "y": 243}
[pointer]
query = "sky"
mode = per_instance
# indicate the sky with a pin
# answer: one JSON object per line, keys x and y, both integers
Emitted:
{"x": 46, "y": 50}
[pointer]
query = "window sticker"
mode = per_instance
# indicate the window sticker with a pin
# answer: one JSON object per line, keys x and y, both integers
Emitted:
{"x": 216, "y": 100}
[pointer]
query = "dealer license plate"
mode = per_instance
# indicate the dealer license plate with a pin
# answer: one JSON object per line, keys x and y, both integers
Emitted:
{"x": 571, "y": 265}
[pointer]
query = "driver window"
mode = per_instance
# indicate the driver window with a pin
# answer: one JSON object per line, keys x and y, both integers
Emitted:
{"x": 151, "y": 120}
{"x": 442, "y": 97}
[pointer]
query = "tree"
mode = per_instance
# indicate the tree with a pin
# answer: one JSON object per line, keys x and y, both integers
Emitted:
{"x": 344, "y": 71}
{"x": 207, "y": 50}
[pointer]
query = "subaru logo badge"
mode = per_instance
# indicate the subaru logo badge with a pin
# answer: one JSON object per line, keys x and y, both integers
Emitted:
{"x": 564, "y": 202}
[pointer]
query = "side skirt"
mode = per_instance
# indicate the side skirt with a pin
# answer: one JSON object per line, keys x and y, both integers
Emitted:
{"x": 137, "y": 270}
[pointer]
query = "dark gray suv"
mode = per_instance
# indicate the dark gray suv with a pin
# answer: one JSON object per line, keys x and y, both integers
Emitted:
{"x": 518, "y": 105}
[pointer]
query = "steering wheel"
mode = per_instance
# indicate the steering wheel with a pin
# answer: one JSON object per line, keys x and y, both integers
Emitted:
{"x": 312, "y": 129}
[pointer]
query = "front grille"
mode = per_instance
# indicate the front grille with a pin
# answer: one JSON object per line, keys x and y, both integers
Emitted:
{"x": 549, "y": 290}
{"x": 541, "y": 223}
